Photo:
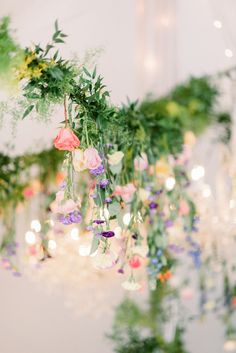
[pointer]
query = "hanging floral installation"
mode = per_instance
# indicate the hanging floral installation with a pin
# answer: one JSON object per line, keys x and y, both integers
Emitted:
{"x": 125, "y": 184}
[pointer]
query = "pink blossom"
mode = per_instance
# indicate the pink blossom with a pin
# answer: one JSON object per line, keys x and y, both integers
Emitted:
{"x": 91, "y": 158}
{"x": 183, "y": 208}
{"x": 141, "y": 163}
{"x": 126, "y": 192}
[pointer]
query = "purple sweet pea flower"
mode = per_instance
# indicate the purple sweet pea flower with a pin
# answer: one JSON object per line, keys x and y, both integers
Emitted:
{"x": 107, "y": 234}
{"x": 72, "y": 217}
{"x": 98, "y": 221}
{"x": 121, "y": 270}
{"x": 108, "y": 200}
{"x": 169, "y": 223}
{"x": 103, "y": 183}
{"x": 153, "y": 205}
{"x": 98, "y": 171}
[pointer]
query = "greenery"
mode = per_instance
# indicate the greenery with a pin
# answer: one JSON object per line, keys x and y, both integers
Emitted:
{"x": 141, "y": 330}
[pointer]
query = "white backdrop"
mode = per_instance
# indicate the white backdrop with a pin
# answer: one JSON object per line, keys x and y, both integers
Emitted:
{"x": 148, "y": 45}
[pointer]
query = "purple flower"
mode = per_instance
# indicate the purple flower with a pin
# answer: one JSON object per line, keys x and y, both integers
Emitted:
{"x": 153, "y": 205}
{"x": 169, "y": 223}
{"x": 107, "y": 234}
{"x": 98, "y": 221}
{"x": 98, "y": 171}
{"x": 121, "y": 270}
{"x": 94, "y": 196}
{"x": 108, "y": 200}
{"x": 72, "y": 217}
{"x": 158, "y": 192}
{"x": 135, "y": 236}
{"x": 103, "y": 183}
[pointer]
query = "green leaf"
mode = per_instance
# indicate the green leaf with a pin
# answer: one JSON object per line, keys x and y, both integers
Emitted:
{"x": 56, "y": 25}
{"x": 114, "y": 209}
{"x": 28, "y": 110}
{"x": 86, "y": 72}
{"x": 95, "y": 244}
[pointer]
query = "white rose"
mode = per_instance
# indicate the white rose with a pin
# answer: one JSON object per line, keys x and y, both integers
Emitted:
{"x": 115, "y": 158}
{"x": 78, "y": 160}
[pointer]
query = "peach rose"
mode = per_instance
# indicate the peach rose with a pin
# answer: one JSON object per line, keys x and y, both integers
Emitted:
{"x": 126, "y": 192}
{"x": 141, "y": 163}
{"x": 183, "y": 208}
{"x": 66, "y": 140}
{"x": 92, "y": 159}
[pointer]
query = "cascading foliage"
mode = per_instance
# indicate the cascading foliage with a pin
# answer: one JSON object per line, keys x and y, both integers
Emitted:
{"x": 125, "y": 183}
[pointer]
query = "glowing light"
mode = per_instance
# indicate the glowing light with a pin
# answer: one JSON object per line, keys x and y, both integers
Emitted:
{"x": 206, "y": 192}
{"x": 170, "y": 183}
{"x": 231, "y": 204}
{"x": 84, "y": 250}
{"x": 217, "y": 24}
{"x": 230, "y": 345}
{"x": 228, "y": 53}
{"x": 52, "y": 244}
{"x": 197, "y": 172}
{"x": 150, "y": 63}
{"x": 30, "y": 237}
{"x": 36, "y": 225}
{"x": 127, "y": 219}
{"x": 74, "y": 233}
{"x": 51, "y": 222}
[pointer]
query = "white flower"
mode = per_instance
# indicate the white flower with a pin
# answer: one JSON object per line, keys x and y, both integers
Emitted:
{"x": 131, "y": 285}
{"x": 115, "y": 158}
{"x": 79, "y": 160}
{"x": 105, "y": 260}
{"x": 143, "y": 194}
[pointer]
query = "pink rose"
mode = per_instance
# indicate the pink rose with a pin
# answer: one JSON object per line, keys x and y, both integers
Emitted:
{"x": 66, "y": 140}
{"x": 183, "y": 208}
{"x": 141, "y": 163}
{"x": 92, "y": 159}
{"x": 59, "y": 205}
{"x": 126, "y": 192}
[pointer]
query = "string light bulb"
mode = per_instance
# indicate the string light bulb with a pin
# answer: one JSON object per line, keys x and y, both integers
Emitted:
{"x": 228, "y": 53}
{"x": 170, "y": 183}
{"x": 30, "y": 237}
{"x": 217, "y": 24}
{"x": 36, "y": 225}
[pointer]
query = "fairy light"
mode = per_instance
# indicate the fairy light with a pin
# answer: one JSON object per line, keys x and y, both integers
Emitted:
{"x": 228, "y": 53}
{"x": 230, "y": 345}
{"x": 30, "y": 237}
{"x": 36, "y": 225}
{"x": 127, "y": 219}
{"x": 217, "y": 24}
{"x": 74, "y": 233}
{"x": 197, "y": 172}
{"x": 52, "y": 245}
{"x": 206, "y": 192}
{"x": 170, "y": 183}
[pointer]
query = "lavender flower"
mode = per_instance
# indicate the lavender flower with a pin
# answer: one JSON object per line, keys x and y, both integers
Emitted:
{"x": 98, "y": 171}
{"x": 108, "y": 200}
{"x": 103, "y": 183}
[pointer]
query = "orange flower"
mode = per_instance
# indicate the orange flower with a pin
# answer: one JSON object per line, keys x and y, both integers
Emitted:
{"x": 164, "y": 276}
{"x": 66, "y": 140}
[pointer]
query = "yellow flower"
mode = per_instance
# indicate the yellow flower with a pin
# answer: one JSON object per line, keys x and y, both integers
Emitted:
{"x": 78, "y": 160}
{"x": 163, "y": 168}
{"x": 189, "y": 138}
